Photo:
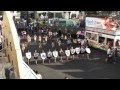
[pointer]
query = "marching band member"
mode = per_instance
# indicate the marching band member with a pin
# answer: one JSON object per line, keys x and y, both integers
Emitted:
{"x": 82, "y": 51}
{"x": 23, "y": 47}
{"x": 28, "y": 56}
{"x": 82, "y": 42}
{"x": 78, "y": 40}
{"x": 65, "y": 37}
{"x": 69, "y": 42}
{"x": 53, "y": 44}
{"x": 35, "y": 38}
{"x": 44, "y": 42}
{"x": 28, "y": 38}
{"x": 67, "y": 52}
{"x": 46, "y": 38}
{"x": 40, "y": 45}
{"x": 43, "y": 56}
{"x": 39, "y": 39}
{"x": 36, "y": 54}
{"x": 55, "y": 54}
{"x": 59, "y": 42}
{"x": 77, "y": 50}
{"x": 61, "y": 55}
{"x": 49, "y": 55}
{"x": 88, "y": 51}
{"x": 72, "y": 52}
{"x": 49, "y": 33}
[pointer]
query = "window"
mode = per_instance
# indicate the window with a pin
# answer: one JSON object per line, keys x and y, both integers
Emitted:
{"x": 50, "y": 15}
{"x": 58, "y": 15}
{"x": 39, "y": 14}
{"x": 101, "y": 39}
{"x": 73, "y": 16}
{"x": 93, "y": 37}
{"x": 110, "y": 42}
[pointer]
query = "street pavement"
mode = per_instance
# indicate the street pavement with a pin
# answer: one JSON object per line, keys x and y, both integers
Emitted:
{"x": 80, "y": 68}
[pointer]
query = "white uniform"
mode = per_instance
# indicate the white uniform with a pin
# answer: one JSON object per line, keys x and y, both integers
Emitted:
{"x": 28, "y": 55}
{"x": 55, "y": 53}
{"x": 108, "y": 51}
{"x": 88, "y": 50}
{"x": 77, "y": 50}
{"x": 43, "y": 56}
{"x": 49, "y": 54}
{"x": 67, "y": 52}
{"x": 36, "y": 54}
{"x": 72, "y": 51}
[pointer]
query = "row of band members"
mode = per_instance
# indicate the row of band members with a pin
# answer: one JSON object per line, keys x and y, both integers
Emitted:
{"x": 60, "y": 53}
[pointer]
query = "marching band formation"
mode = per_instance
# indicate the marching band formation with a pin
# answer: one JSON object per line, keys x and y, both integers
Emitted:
{"x": 42, "y": 37}
{"x": 72, "y": 52}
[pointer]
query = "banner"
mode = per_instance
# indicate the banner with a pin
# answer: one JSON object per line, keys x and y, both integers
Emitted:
{"x": 102, "y": 23}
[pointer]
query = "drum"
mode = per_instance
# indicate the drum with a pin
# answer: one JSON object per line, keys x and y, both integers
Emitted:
{"x": 88, "y": 50}
{"x": 67, "y": 52}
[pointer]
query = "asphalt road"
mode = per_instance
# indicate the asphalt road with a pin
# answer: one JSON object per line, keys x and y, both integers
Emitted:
{"x": 80, "y": 68}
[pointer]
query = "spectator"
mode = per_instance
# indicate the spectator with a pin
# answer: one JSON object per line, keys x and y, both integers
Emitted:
{"x": 66, "y": 78}
{"x": 109, "y": 54}
{"x": 39, "y": 76}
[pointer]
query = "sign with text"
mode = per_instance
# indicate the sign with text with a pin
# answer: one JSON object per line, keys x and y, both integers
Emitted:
{"x": 111, "y": 32}
{"x": 102, "y": 23}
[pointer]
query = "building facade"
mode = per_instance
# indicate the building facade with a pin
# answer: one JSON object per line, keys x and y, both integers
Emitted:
{"x": 50, "y": 14}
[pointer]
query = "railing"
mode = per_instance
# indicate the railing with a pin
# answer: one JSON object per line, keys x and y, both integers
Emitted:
{"x": 28, "y": 73}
